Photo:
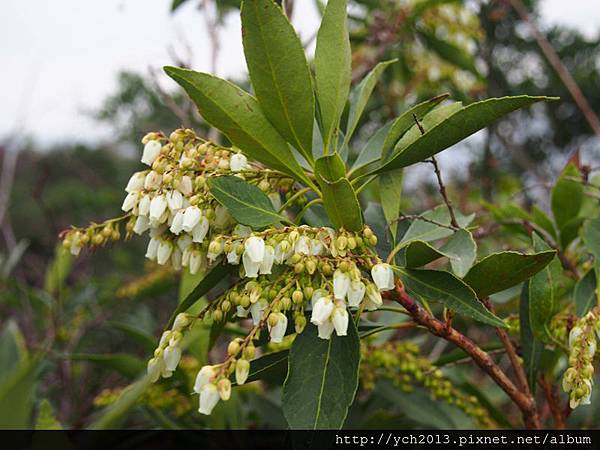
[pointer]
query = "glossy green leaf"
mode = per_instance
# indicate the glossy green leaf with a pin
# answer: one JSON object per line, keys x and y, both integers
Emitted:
{"x": 455, "y": 128}
{"x": 532, "y": 348}
{"x": 420, "y": 253}
{"x": 443, "y": 287}
{"x": 322, "y": 379}
{"x": 541, "y": 295}
{"x": 279, "y": 72}
{"x": 238, "y": 115}
{"x": 540, "y": 218}
{"x": 246, "y": 202}
{"x": 462, "y": 251}
{"x": 339, "y": 198}
{"x": 570, "y": 231}
{"x": 139, "y": 336}
{"x": 268, "y": 367}
{"x": 585, "y": 293}
{"x": 333, "y": 67}
{"x": 217, "y": 274}
{"x": 567, "y": 196}
{"x": 591, "y": 238}
{"x": 372, "y": 149}
{"x": 427, "y": 231}
{"x": 390, "y": 193}
{"x": 451, "y": 53}
{"x": 500, "y": 271}
{"x": 127, "y": 365}
{"x": 360, "y": 96}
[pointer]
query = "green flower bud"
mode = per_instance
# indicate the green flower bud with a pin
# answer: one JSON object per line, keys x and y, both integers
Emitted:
{"x": 297, "y": 297}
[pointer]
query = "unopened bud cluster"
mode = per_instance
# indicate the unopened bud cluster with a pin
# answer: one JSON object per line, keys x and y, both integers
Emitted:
{"x": 95, "y": 235}
{"x": 579, "y": 377}
{"x": 400, "y": 363}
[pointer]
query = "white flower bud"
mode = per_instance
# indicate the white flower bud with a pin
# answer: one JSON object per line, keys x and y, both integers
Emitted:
{"x": 241, "y": 312}
{"x": 322, "y": 310}
{"x": 339, "y": 318}
{"x": 209, "y": 397}
{"x": 214, "y": 250}
{"x": 171, "y": 356}
{"x": 185, "y": 186}
{"x": 356, "y": 292}
{"x": 282, "y": 251}
{"x": 155, "y": 368}
{"x": 153, "y": 180}
{"x": 136, "y": 182}
{"x": 205, "y": 376}
{"x": 144, "y": 205}
{"x": 200, "y": 231}
{"x": 325, "y": 329}
{"x": 341, "y": 284}
{"x": 152, "y": 249}
{"x": 174, "y": 200}
{"x": 254, "y": 247}
{"x": 316, "y": 247}
{"x": 373, "y": 299}
{"x": 163, "y": 253}
{"x": 302, "y": 246}
{"x": 182, "y": 320}
{"x": 277, "y": 331}
{"x": 130, "y": 201}
{"x": 177, "y": 224}
{"x": 383, "y": 276}
{"x": 195, "y": 262}
{"x": 267, "y": 262}
{"x": 256, "y": 310}
{"x": 238, "y": 162}
{"x": 242, "y": 369}
{"x": 158, "y": 206}
{"x": 142, "y": 224}
{"x": 191, "y": 218}
{"x": 233, "y": 257}
{"x": 151, "y": 152}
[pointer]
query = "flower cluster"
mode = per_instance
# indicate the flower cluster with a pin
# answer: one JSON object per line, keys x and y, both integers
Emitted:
{"x": 579, "y": 377}
{"x": 400, "y": 362}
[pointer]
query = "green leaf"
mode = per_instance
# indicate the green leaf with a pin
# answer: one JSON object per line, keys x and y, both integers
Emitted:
{"x": 246, "y": 202}
{"x": 46, "y": 419}
{"x": 420, "y": 253}
{"x": 58, "y": 270}
{"x": 541, "y": 295}
{"x": 450, "y": 52}
{"x": 585, "y": 293}
{"x": 279, "y": 72}
{"x": 390, "y": 193}
{"x": 333, "y": 67}
{"x": 17, "y": 393}
{"x": 443, "y": 287}
{"x": 532, "y": 348}
{"x": 339, "y": 198}
{"x": 127, "y": 365}
{"x": 175, "y": 4}
{"x": 567, "y": 197}
{"x": 372, "y": 149}
{"x": 540, "y": 218}
{"x": 462, "y": 250}
{"x": 360, "y": 96}
{"x": 322, "y": 379}
{"x": 272, "y": 366}
{"x": 570, "y": 231}
{"x": 212, "y": 278}
{"x": 427, "y": 231}
{"x": 455, "y": 128}
{"x": 500, "y": 271}
{"x": 136, "y": 334}
{"x": 238, "y": 115}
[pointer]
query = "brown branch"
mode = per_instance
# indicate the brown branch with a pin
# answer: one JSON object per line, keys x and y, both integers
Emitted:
{"x": 553, "y": 400}
{"x": 559, "y": 67}
{"x": 525, "y": 403}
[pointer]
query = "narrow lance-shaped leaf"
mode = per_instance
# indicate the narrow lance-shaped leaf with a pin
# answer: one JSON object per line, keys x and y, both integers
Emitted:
{"x": 541, "y": 295}
{"x": 450, "y": 52}
{"x": 443, "y": 287}
{"x": 246, "y": 202}
{"x": 390, "y": 193}
{"x": 238, "y": 115}
{"x": 591, "y": 238}
{"x": 585, "y": 293}
{"x": 567, "y": 197}
{"x": 455, "y": 128}
{"x": 500, "y": 271}
{"x": 333, "y": 67}
{"x": 322, "y": 379}
{"x": 279, "y": 72}
{"x": 532, "y": 347}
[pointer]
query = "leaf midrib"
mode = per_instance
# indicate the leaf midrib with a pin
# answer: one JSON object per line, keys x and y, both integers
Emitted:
{"x": 246, "y": 204}
{"x": 322, "y": 388}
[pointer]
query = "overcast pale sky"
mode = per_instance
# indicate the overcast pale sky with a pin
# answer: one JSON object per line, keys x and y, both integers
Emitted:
{"x": 60, "y": 58}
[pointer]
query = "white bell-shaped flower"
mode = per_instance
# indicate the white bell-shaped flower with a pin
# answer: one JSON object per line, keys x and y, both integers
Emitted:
{"x": 174, "y": 200}
{"x": 184, "y": 241}
{"x": 152, "y": 249}
{"x": 256, "y": 310}
{"x": 251, "y": 268}
{"x": 242, "y": 312}
{"x": 142, "y": 224}
{"x": 254, "y": 247}
{"x": 267, "y": 263}
{"x": 356, "y": 292}
{"x": 316, "y": 247}
{"x": 151, "y": 152}
{"x": 341, "y": 284}
{"x": 163, "y": 253}
{"x": 130, "y": 201}
{"x": 209, "y": 397}
{"x": 171, "y": 356}
{"x": 238, "y": 162}
{"x": 191, "y": 218}
{"x": 283, "y": 251}
{"x": 339, "y": 318}
{"x": 136, "y": 182}
{"x": 144, "y": 205}
{"x": 233, "y": 257}
{"x": 152, "y": 181}
{"x": 195, "y": 262}
{"x": 185, "y": 185}
{"x": 325, "y": 329}
{"x": 302, "y": 246}
{"x": 205, "y": 376}
{"x": 155, "y": 367}
{"x": 317, "y": 294}
{"x": 200, "y": 231}
{"x": 277, "y": 331}
{"x": 158, "y": 206}
{"x": 176, "y": 258}
{"x": 383, "y": 276}
{"x": 322, "y": 310}
{"x": 177, "y": 223}
{"x": 373, "y": 298}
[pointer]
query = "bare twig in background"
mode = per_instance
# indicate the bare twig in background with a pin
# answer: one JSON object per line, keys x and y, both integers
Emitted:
{"x": 559, "y": 67}
{"x": 168, "y": 100}
{"x": 424, "y": 219}
{"x": 212, "y": 28}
